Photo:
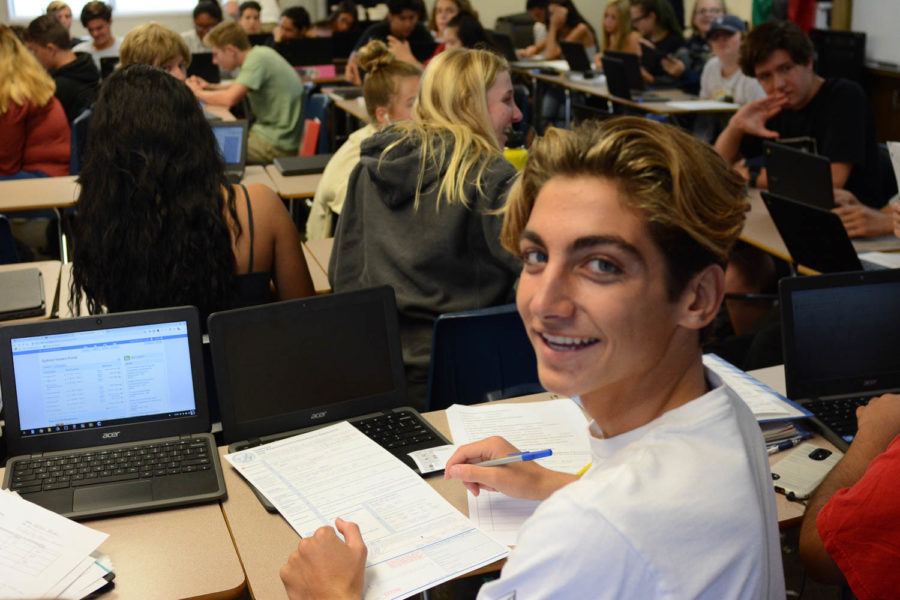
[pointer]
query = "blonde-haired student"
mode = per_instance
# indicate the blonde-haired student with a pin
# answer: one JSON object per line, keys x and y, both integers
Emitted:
{"x": 158, "y": 46}
{"x": 35, "y": 133}
{"x": 389, "y": 89}
{"x": 419, "y": 208}
{"x": 622, "y": 229}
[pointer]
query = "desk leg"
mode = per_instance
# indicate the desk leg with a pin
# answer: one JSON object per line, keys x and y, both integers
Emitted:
{"x": 568, "y": 108}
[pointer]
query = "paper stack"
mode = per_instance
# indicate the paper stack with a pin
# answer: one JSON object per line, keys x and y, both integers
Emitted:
{"x": 45, "y": 555}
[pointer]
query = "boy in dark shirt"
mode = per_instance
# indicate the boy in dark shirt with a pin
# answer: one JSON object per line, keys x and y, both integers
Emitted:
{"x": 403, "y": 24}
{"x": 800, "y": 103}
{"x": 76, "y": 76}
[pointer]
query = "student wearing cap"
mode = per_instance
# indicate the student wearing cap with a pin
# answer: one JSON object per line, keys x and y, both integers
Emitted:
{"x": 834, "y": 112}
{"x": 722, "y": 78}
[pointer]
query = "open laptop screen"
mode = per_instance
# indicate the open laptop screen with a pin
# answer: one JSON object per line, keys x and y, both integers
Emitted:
{"x": 85, "y": 379}
{"x": 841, "y": 337}
{"x": 230, "y": 136}
{"x": 298, "y": 363}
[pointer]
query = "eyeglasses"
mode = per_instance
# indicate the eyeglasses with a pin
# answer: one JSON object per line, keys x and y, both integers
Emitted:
{"x": 709, "y": 12}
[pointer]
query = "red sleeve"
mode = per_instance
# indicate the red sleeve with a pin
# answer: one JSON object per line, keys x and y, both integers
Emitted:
{"x": 12, "y": 140}
{"x": 860, "y": 527}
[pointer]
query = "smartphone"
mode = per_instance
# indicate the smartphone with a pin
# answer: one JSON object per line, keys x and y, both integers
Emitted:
{"x": 798, "y": 474}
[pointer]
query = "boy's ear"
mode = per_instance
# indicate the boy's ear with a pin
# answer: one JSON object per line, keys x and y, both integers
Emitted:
{"x": 702, "y": 297}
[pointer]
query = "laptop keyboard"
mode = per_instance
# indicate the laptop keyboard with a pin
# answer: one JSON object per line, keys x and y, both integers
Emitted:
{"x": 839, "y": 414}
{"x": 159, "y": 459}
{"x": 395, "y": 429}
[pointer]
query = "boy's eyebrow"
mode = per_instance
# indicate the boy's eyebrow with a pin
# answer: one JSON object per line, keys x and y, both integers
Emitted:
{"x": 591, "y": 241}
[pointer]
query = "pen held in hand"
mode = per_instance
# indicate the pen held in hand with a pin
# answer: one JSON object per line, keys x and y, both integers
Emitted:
{"x": 515, "y": 457}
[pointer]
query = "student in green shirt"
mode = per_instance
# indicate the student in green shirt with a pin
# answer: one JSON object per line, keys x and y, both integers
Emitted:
{"x": 269, "y": 83}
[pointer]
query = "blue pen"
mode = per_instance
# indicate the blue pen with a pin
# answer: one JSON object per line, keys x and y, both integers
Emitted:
{"x": 515, "y": 457}
{"x": 782, "y": 446}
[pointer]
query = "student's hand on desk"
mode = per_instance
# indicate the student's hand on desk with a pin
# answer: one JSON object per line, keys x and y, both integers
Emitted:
{"x": 526, "y": 479}
{"x": 528, "y": 51}
{"x": 751, "y": 118}
{"x": 859, "y": 220}
{"x": 672, "y": 66}
{"x": 325, "y": 567}
{"x": 196, "y": 83}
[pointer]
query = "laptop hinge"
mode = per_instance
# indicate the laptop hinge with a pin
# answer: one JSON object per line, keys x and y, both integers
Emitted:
{"x": 254, "y": 442}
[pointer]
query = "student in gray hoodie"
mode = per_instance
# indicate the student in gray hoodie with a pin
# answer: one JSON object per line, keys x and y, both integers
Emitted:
{"x": 419, "y": 209}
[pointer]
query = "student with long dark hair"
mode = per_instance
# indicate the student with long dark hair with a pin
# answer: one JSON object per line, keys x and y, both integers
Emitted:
{"x": 158, "y": 223}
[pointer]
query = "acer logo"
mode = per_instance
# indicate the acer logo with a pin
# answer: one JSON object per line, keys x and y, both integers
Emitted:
{"x": 111, "y": 434}
{"x": 319, "y": 415}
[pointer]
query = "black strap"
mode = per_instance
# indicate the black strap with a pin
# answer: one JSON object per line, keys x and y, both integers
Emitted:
{"x": 250, "y": 225}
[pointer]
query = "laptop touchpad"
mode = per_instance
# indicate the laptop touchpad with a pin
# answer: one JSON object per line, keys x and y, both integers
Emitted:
{"x": 114, "y": 495}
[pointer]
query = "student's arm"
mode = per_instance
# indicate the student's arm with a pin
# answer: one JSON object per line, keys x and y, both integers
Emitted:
{"x": 533, "y": 49}
{"x": 750, "y": 119}
{"x": 324, "y": 566}
{"x": 289, "y": 269}
{"x": 879, "y": 424}
{"x": 526, "y": 479}
{"x": 858, "y": 219}
{"x": 228, "y": 96}
{"x": 351, "y": 70}
{"x": 558, "y": 15}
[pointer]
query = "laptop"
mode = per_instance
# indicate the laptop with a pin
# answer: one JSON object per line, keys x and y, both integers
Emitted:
{"x": 108, "y": 64}
{"x": 815, "y": 237}
{"x": 287, "y": 367}
{"x": 506, "y": 48}
{"x": 306, "y": 51}
{"x": 231, "y": 137}
{"x": 800, "y": 175}
{"x": 618, "y": 85}
{"x": 107, "y": 414}
{"x": 202, "y": 66}
{"x": 23, "y": 294}
{"x": 578, "y": 60}
{"x": 841, "y": 336}
{"x": 632, "y": 68}
{"x": 302, "y": 165}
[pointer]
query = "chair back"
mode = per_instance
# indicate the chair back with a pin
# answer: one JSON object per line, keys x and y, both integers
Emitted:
{"x": 480, "y": 355}
{"x": 317, "y": 108}
{"x": 8, "y": 253}
{"x": 80, "y": 127}
{"x": 840, "y": 53}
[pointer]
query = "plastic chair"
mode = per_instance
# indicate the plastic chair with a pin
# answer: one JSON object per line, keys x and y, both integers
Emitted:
{"x": 479, "y": 356}
{"x": 8, "y": 252}
{"x": 317, "y": 108}
{"x": 80, "y": 127}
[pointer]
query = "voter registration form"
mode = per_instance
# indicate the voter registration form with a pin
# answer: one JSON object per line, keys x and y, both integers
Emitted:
{"x": 415, "y": 538}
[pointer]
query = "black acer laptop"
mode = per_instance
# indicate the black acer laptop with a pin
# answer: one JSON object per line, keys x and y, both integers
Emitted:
{"x": 799, "y": 175}
{"x": 841, "y": 336}
{"x": 231, "y": 137}
{"x": 202, "y": 66}
{"x": 618, "y": 85}
{"x": 632, "y": 68}
{"x": 108, "y": 414}
{"x": 815, "y": 237}
{"x": 578, "y": 60}
{"x": 286, "y": 367}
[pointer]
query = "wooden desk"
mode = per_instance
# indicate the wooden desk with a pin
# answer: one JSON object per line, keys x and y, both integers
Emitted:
{"x": 38, "y": 193}
{"x": 760, "y": 231}
{"x": 50, "y": 270}
{"x": 318, "y": 274}
{"x": 295, "y": 186}
{"x": 219, "y": 111}
{"x": 258, "y": 174}
{"x": 355, "y": 107}
{"x": 179, "y": 553}
{"x": 320, "y": 251}
{"x": 790, "y": 514}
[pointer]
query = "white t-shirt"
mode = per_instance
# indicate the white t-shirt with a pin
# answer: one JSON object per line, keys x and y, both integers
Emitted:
{"x": 88, "y": 46}
{"x": 682, "y": 507}
{"x": 739, "y": 87}
{"x": 194, "y": 43}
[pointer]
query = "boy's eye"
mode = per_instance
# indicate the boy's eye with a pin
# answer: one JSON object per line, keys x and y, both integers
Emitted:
{"x": 598, "y": 265}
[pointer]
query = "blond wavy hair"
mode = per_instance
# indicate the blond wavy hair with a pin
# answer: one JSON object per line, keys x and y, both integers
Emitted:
{"x": 617, "y": 40}
{"x": 452, "y": 122}
{"x": 693, "y": 203}
{"x": 22, "y": 78}
{"x": 152, "y": 44}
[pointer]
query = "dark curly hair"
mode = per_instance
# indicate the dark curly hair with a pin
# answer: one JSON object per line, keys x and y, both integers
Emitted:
{"x": 150, "y": 230}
